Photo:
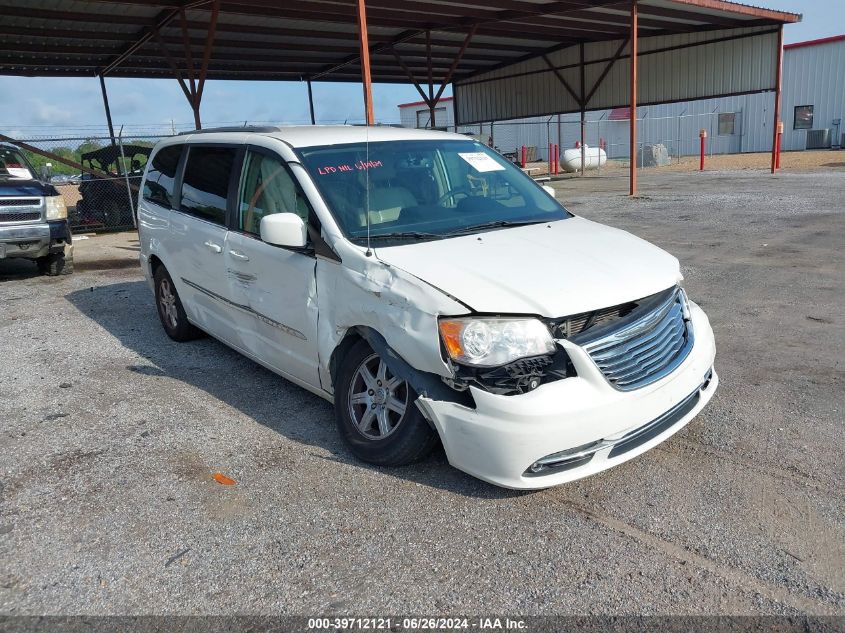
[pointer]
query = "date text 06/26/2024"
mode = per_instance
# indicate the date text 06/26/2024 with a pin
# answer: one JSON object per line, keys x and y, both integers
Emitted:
{"x": 415, "y": 624}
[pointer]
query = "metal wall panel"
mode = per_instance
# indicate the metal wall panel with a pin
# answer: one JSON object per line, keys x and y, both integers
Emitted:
{"x": 813, "y": 75}
{"x": 696, "y": 66}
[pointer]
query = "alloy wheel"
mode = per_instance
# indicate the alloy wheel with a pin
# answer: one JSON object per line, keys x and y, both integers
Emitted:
{"x": 377, "y": 399}
{"x": 167, "y": 301}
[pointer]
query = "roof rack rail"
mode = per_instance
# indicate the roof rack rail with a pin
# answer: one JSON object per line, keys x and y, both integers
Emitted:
{"x": 235, "y": 128}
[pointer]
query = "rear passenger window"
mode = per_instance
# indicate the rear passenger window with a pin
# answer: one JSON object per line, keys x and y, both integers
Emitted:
{"x": 206, "y": 182}
{"x": 158, "y": 188}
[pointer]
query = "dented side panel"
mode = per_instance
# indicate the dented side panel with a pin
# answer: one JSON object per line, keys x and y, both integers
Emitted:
{"x": 273, "y": 292}
{"x": 365, "y": 292}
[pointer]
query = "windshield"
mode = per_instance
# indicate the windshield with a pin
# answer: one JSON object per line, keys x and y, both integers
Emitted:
{"x": 424, "y": 189}
{"x": 13, "y": 165}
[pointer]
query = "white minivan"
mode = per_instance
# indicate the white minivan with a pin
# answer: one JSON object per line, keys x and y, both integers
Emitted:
{"x": 432, "y": 291}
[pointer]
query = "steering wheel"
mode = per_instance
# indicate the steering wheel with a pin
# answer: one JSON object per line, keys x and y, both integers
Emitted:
{"x": 451, "y": 194}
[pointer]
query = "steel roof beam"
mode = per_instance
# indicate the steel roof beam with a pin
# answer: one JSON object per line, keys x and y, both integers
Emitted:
{"x": 53, "y": 17}
{"x": 220, "y": 65}
{"x": 500, "y": 16}
{"x": 279, "y": 56}
{"x": 147, "y": 33}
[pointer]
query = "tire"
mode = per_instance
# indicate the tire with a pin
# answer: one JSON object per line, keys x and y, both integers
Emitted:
{"x": 170, "y": 311}
{"x": 55, "y": 264}
{"x": 371, "y": 423}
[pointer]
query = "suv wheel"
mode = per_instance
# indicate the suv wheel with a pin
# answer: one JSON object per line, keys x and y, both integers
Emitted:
{"x": 376, "y": 414}
{"x": 55, "y": 264}
{"x": 170, "y": 310}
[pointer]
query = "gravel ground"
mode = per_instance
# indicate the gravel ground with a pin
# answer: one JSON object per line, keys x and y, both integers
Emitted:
{"x": 111, "y": 432}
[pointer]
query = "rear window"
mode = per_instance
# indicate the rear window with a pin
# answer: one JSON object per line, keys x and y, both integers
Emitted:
{"x": 13, "y": 165}
{"x": 205, "y": 185}
{"x": 158, "y": 188}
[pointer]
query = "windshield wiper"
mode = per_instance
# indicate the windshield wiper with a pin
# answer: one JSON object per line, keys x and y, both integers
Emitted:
{"x": 402, "y": 235}
{"x": 498, "y": 224}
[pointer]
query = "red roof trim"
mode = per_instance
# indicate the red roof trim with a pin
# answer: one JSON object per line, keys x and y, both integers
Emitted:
{"x": 745, "y": 9}
{"x": 419, "y": 103}
{"x": 823, "y": 40}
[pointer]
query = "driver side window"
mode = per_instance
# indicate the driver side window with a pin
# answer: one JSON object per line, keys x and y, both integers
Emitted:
{"x": 266, "y": 188}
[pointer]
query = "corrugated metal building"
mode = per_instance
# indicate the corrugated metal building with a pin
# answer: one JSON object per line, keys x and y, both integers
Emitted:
{"x": 813, "y": 99}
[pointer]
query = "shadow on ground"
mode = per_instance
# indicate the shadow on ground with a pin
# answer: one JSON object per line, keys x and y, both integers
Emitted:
{"x": 126, "y": 311}
{"x": 17, "y": 268}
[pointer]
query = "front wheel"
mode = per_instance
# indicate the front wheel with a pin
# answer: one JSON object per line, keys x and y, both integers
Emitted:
{"x": 55, "y": 264}
{"x": 376, "y": 411}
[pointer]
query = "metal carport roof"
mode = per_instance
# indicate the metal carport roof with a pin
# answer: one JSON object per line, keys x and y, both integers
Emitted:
{"x": 318, "y": 39}
{"x": 427, "y": 42}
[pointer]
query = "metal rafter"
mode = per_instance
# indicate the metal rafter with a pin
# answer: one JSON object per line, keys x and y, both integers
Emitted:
{"x": 148, "y": 32}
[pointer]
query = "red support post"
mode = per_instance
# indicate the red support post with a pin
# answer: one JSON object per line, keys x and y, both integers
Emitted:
{"x": 633, "y": 110}
{"x": 551, "y": 158}
{"x": 778, "y": 80}
{"x": 702, "y": 134}
{"x": 780, "y": 138}
{"x": 557, "y": 158}
{"x": 583, "y": 109}
{"x": 524, "y": 157}
{"x": 364, "y": 41}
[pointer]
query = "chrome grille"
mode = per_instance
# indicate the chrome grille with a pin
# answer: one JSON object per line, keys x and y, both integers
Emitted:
{"x": 20, "y": 216}
{"x": 647, "y": 346}
{"x": 20, "y": 202}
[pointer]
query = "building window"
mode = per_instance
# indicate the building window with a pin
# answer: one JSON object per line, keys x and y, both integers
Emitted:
{"x": 424, "y": 118}
{"x": 803, "y": 118}
{"x": 727, "y": 123}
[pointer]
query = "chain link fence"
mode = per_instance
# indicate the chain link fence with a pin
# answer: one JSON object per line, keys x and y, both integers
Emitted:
{"x": 670, "y": 136}
{"x": 105, "y": 198}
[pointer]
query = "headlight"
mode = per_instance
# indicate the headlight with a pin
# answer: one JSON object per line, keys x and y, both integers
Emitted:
{"x": 56, "y": 209}
{"x": 489, "y": 342}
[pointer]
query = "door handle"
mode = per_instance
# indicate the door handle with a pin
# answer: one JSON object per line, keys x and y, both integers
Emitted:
{"x": 239, "y": 255}
{"x": 214, "y": 248}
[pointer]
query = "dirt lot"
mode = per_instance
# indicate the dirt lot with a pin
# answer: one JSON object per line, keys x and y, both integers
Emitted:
{"x": 789, "y": 161}
{"x": 110, "y": 434}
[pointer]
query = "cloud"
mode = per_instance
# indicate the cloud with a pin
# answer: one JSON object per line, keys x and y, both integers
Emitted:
{"x": 40, "y": 112}
{"x": 127, "y": 104}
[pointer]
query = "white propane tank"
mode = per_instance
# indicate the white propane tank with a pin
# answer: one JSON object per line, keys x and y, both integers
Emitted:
{"x": 593, "y": 158}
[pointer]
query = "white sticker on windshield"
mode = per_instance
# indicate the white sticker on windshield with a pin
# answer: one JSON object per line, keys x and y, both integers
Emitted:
{"x": 481, "y": 162}
{"x": 18, "y": 172}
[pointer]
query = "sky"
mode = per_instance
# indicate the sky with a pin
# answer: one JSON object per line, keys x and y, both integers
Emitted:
{"x": 38, "y": 106}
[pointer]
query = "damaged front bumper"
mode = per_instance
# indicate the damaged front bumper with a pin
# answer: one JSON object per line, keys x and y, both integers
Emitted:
{"x": 574, "y": 427}
{"x": 32, "y": 241}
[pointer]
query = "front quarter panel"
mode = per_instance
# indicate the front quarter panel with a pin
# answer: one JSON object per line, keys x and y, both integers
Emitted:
{"x": 363, "y": 291}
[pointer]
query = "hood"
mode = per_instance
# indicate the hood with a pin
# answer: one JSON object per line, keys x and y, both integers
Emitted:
{"x": 552, "y": 270}
{"x": 35, "y": 188}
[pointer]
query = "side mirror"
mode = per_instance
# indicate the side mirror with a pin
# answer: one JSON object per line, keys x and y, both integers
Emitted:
{"x": 284, "y": 229}
{"x": 549, "y": 190}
